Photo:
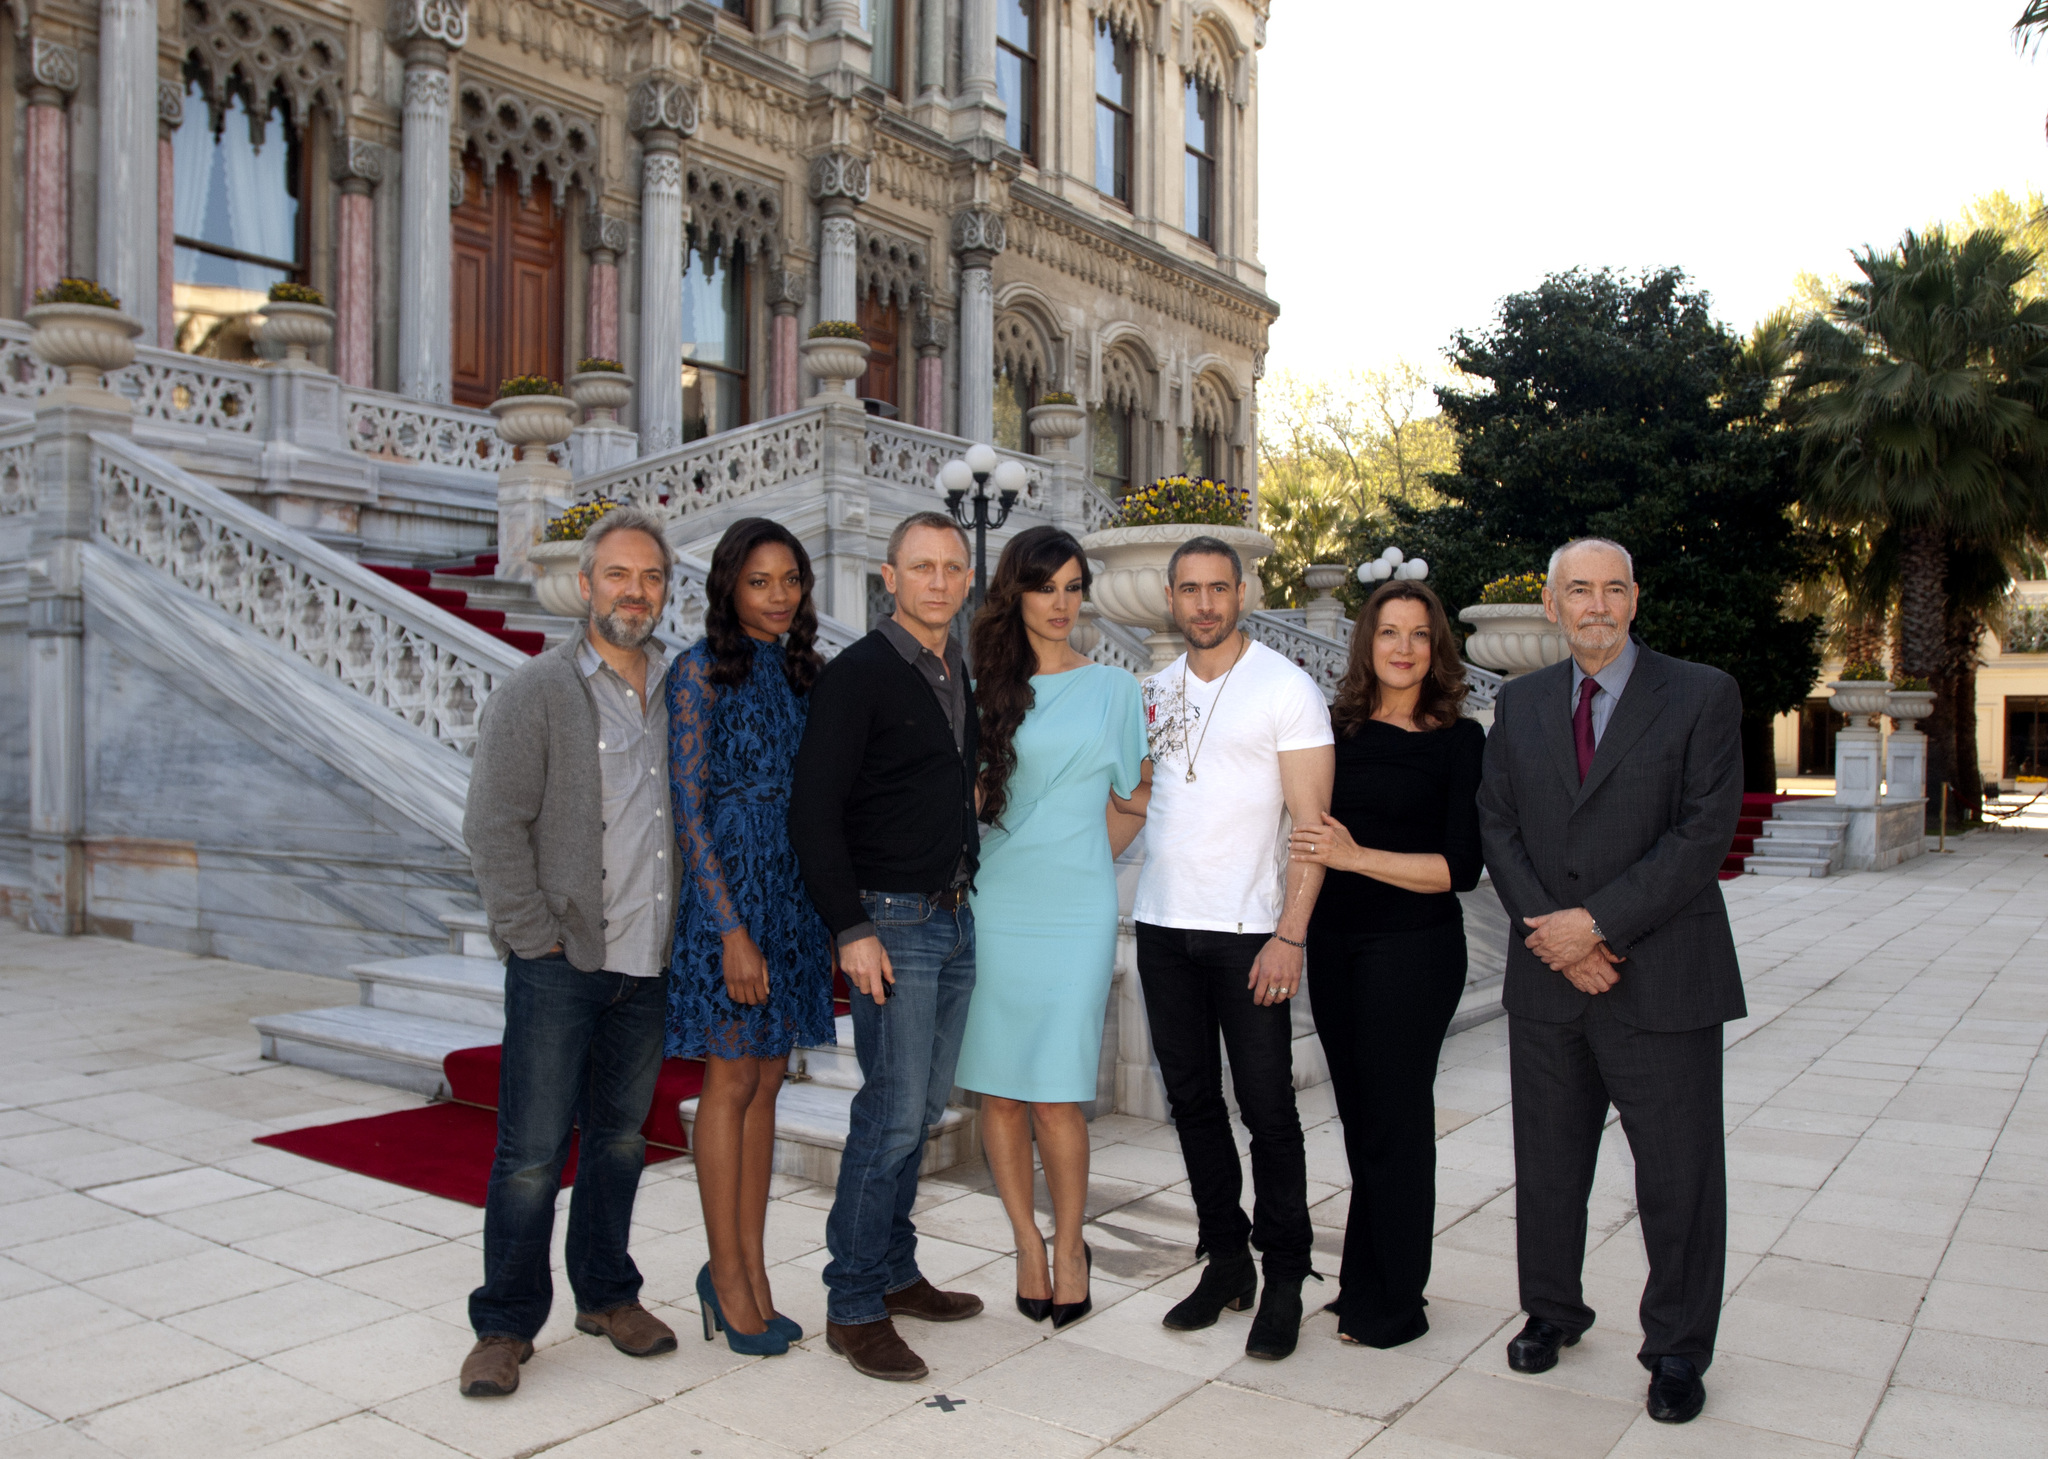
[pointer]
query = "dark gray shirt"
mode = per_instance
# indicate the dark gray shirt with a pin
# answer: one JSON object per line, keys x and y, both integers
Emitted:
{"x": 632, "y": 754}
{"x": 947, "y": 676}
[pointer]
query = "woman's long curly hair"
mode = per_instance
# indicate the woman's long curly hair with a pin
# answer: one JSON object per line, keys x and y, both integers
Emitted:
{"x": 732, "y": 650}
{"x": 1443, "y": 688}
{"x": 1003, "y": 657}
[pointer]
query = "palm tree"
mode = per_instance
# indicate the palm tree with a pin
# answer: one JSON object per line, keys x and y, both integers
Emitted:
{"x": 1918, "y": 398}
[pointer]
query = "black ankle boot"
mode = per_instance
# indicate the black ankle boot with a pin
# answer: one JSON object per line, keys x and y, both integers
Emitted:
{"x": 1277, "y": 1328}
{"x": 1228, "y": 1281}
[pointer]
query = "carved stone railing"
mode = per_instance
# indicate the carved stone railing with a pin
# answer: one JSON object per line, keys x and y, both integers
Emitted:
{"x": 17, "y": 470}
{"x": 682, "y": 621}
{"x": 1325, "y": 659}
{"x": 1120, "y": 646}
{"x": 717, "y": 469}
{"x": 425, "y": 666}
{"x": 165, "y": 386}
{"x": 392, "y": 428}
{"x": 911, "y": 456}
{"x": 1098, "y": 511}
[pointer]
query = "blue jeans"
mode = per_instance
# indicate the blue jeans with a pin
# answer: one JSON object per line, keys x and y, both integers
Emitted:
{"x": 580, "y": 1049}
{"x": 907, "y": 1047}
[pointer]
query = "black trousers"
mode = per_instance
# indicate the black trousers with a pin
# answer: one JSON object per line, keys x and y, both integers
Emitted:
{"x": 1667, "y": 1089}
{"x": 1382, "y": 1002}
{"x": 1195, "y": 990}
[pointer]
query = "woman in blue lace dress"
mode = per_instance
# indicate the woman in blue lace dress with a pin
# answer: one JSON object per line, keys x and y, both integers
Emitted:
{"x": 751, "y": 970}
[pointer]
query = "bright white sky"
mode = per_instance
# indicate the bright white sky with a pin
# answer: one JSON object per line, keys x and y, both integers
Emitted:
{"x": 1421, "y": 159}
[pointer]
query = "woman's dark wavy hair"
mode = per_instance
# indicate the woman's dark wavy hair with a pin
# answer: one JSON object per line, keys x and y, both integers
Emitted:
{"x": 1003, "y": 657}
{"x": 732, "y": 651}
{"x": 1443, "y": 689}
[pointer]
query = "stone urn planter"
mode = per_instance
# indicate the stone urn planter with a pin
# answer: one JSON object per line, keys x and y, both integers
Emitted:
{"x": 601, "y": 394}
{"x": 1324, "y": 615}
{"x": 290, "y": 330}
{"x": 835, "y": 363}
{"x": 554, "y": 578}
{"x": 1513, "y": 638}
{"x": 1130, "y": 586}
{"x": 1053, "y": 426}
{"x": 1908, "y": 707}
{"x": 534, "y": 420}
{"x": 1862, "y": 700}
{"x": 83, "y": 340}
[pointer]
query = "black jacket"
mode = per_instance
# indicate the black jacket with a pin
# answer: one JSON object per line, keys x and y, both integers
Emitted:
{"x": 1639, "y": 845}
{"x": 882, "y": 799}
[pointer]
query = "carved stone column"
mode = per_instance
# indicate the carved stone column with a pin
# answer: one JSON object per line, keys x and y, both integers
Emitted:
{"x": 839, "y": 183}
{"x": 427, "y": 30}
{"x": 931, "y": 48}
{"x": 661, "y": 111}
{"x": 53, "y": 76}
{"x": 358, "y": 168}
{"x": 785, "y": 299}
{"x": 930, "y": 338}
{"x": 604, "y": 239}
{"x": 127, "y": 262}
{"x": 170, "y": 112}
{"x": 978, "y": 236}
{"x": 978, "y": 52}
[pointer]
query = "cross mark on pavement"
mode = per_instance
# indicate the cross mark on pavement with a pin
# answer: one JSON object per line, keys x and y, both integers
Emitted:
{"x": 944, "y": 1404}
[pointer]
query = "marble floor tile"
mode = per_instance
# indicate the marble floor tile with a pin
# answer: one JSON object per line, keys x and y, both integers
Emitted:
{"x": 805, "y": 1401}
{"x": 67, "y": 1379}
{"x": 1986, "y": 1311}
{"x": 161, "y": 1194}
{"x": 356, "y": 1437}
{"x": 329, "y": 1246}
{"x": 230, "y": 1413}
{"x": 941, "y": 1428}
{"x": 1492, "y": 1415}
{"x": 1805, "y": 1402}
{"x": 1222, "y": 1422}
{"x": 378, "y": 1361}
{"x": 1976, "y": 1367}
{"x": 552, "y": 1404}
{"x": 212, "y": 1274}
{"x": 1080, "y": 1388}
{"x": 1916, "y": 1424}
{"x": 1710, "y": 1438}
{"x": 283, "y": 1317}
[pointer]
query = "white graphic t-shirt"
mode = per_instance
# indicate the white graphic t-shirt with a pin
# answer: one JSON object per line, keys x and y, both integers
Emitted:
{"x": 1216, "y": 846}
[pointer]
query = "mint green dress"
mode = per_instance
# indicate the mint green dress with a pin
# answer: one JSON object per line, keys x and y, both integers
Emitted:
{"x": 1045, "y": 903}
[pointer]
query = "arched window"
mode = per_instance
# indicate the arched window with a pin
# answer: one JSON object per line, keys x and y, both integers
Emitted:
{"x": 1017, "y": 72}
{"x": 1115, "y": 97}
{"x": 1205, "y": 450}
{"x": 714, "y": 339}
{"x": 237, "y": 180}
{"x": 1022, "y": 370}
{"x": 1200, "y": 143}
{"x": 1110, "y": 427}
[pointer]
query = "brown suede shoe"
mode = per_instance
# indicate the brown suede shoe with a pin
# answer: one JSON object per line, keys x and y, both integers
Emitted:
{"x": 875, "y": 1348}
{"x": 492, "y": 1368}
{"x": 633, "y": 1330}
{"x": 924, "y": 1301}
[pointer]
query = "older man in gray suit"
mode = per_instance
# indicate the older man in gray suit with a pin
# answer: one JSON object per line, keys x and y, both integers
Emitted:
{"x": 1610, "y": 796}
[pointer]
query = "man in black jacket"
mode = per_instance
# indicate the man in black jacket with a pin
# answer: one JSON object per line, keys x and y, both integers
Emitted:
{"x": 1612, "y": 785}
{"x": 882, "y": 818}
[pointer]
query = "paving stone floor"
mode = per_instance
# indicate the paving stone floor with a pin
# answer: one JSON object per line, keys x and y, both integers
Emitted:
{"x": 169, "y": 1289}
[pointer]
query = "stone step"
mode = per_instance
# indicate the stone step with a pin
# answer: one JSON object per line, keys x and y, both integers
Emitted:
{"x": 441, "y": 985}
{"x": 811, "y": 1120}
{"x": 403, "y": 1050}
{"x": 469, "y": 934}
{"x": 1806, "y": 833}
{"x": 1480, "y": 1003}
{"x": 1787, "y": 866}
{"x": 834, "y": 1065}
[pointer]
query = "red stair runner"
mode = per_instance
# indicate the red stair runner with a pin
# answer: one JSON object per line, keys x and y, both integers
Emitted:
{"x": 1756, "y": 809}
{"x": 420, "y": 582}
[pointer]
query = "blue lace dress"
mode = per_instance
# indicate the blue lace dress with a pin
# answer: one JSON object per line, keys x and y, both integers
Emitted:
{"x": 732, "y": 752}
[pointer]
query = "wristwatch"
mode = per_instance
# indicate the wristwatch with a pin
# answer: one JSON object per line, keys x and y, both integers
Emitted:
{"x": 1598, "y": 935}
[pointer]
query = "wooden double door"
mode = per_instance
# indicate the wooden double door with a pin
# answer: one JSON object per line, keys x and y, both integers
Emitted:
{"x": 881, "y": 320}
{"x": 509, "y": 278}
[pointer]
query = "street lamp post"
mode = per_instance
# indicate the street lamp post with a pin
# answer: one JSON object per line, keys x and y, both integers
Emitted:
{"x": 977, "y": 469}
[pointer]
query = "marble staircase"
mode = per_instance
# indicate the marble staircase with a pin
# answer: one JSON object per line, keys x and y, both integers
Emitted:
{"x": 1799, "y": 840}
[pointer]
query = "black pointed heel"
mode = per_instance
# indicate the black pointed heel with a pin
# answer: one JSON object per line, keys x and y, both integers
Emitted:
{"x": 1066, "y": 1314}
{"x": 1035, "y": 1308}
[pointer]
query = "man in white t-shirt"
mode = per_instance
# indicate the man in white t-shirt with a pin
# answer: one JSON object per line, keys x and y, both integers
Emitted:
{"x": 1241, "y": 748}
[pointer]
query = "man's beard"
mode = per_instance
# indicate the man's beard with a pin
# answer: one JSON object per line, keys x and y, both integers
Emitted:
{"x": 1594, "y": 637}
{"x": 622, "y": 631}
{"x": 1210, "y": 637}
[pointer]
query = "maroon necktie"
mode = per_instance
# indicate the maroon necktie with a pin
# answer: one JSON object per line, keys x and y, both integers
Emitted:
{"x": 1582, "y": 726}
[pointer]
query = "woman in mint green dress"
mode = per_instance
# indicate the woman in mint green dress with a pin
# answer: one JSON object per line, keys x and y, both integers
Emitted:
{"x": 1064, "y": 782}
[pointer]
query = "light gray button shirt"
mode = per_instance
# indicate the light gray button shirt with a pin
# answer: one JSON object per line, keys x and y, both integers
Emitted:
{"x": 1612, "y": 680}
{"x": 632, "y": 756}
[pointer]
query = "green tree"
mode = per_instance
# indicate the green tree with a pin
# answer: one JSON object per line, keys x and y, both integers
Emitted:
{"x": 1618, "y": 407}
{"x": 1918, "y": 402}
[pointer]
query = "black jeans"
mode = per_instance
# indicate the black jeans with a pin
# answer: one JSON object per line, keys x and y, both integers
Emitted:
{"x": 1381, "y": 1003}
{"x": 1667, "y": 1089}
{"x": 1195, "y": 989}
{"x": 580, "y": 1048}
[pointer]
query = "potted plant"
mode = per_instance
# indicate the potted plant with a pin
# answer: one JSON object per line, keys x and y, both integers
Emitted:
{"x": 532, "y": 411}
{"x": 80, "y": 329}
{"x": 1131, "y": 585}
{"x": 555, "y": 557}
{"x": 1861, "y": 693}
{"x": 295, "y": 320}
{"x": 601, "y": 387}
{"x": 1056, "y": 419}
{"x": 1910, "y": 701}
{"x": 1511, "y": 634}
{"x": 835, "y": 355}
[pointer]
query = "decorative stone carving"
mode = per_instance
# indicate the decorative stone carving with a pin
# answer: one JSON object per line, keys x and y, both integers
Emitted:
{"x": 1021, "y": 350}
{"x": 170, "y": 105}
{"x": 733, "y": 210}
{"x": 840, "y": 175}
{"x": 786, "y": 290}
{"x": 602, "y": 232}
{"x": 53, "y": 65}
{"x": 357, "y": 160}
{"x": 662, "y": 103}
{"x": 425, "y": 87}
{"x": 661, "y": 169}
{"x": 245, "y": 46}
{"x": 927, "y": 331}
{"x": 889, "y": 265}
{"x": 1123, "y": 381}
{"x": 446, "y": 21}
{"x": 977, "y": 230}
{"x": 529, "y": 137}
{"x": 1212, "y": 410}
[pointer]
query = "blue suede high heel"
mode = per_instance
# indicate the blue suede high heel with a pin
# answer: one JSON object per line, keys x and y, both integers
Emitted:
{"x": 768, "y": 1343}
{"x": 791, "y": 1332}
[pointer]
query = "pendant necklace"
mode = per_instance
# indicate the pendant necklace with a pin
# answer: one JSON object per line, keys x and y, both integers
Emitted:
{"x": 1204, "y": 739}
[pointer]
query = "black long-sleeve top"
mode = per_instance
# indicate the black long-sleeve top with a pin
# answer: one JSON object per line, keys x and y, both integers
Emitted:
{"x": 883, "y": 797}
{"x": 1409, "y": 791}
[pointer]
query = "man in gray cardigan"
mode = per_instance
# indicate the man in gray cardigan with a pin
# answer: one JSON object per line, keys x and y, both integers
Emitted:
{"x": 1609, "y": 799}
{"x": 570, "y": 840}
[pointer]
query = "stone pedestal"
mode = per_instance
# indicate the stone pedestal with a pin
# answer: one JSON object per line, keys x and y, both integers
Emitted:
{"x": 602, "y": 446}
{"x": 1885, "y": 834}
{"x": 1905, "y": 765}
{"x": 523, "y": 510}
{"x": 1859, "y": 759}
{"x": 1325, "y": 615}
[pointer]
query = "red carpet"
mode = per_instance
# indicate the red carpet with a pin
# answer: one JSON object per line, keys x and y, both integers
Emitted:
{"x": 446, "y": 1149}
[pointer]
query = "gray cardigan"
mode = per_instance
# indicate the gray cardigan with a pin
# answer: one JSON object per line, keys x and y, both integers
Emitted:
{"x": 535, "y": 818}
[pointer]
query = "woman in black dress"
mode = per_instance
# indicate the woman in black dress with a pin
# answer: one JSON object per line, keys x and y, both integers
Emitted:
{"x": 1386, "y": 945}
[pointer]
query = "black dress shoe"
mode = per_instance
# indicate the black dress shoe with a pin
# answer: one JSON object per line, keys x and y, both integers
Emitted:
{"x": 1534, "y": 1348}
{"x": 1228, "y": 1281}
{"x": 1676, "y": 1393}
{"x": 1277, "y": 1328}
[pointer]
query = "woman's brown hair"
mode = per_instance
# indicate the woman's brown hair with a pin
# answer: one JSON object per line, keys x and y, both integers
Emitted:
{"x": 1443, "y": 689}
{"x": 732, "y": 650}
{"x": 1004, "y": 660}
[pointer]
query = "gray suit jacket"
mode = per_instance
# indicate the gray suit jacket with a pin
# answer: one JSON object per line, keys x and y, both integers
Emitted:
{"x": 1639, "y": 845}
{"x": 535, "y": 817}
